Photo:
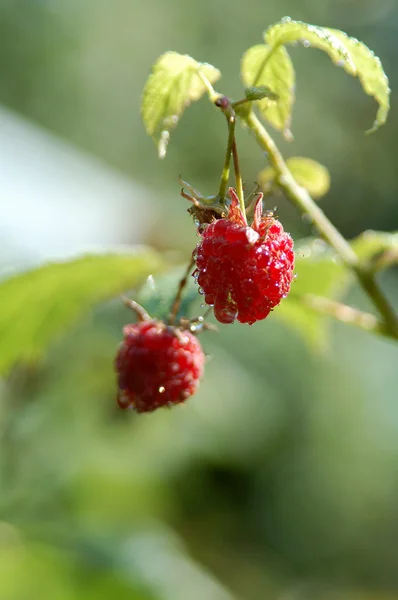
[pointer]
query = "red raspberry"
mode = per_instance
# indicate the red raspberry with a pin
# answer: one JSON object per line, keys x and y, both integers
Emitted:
{"x": 157, "y": 365}
{"x": 244, "y": 271}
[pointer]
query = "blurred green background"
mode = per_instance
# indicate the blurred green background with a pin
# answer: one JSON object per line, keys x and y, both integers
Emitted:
{"x": 279, "y": 479}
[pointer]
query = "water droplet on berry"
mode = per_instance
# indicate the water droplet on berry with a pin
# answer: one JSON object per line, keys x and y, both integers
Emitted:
{"x": 286, "y": 19}
{"x": 306, "y": 43}
{"x": 161, "y": 390}
{"x": 201, "y": 291}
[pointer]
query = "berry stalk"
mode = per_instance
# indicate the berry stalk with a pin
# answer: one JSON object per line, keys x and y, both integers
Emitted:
{"x": 222, "y": 192}
{"x": 225, "y": 105}
{"x": 175, "y": 307}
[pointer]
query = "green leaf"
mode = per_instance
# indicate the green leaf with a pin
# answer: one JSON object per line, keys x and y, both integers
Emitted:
{"x": 174, "y": 83}
{"x": 370, "y": 73}
{"x": 379, "y": 248}
{"x": 349, "y": 53}
{"x": 307, "y": 172}
{"x": 370, "y": 243}
{"x": 36, "y": 306}
{"x": 271, "y": 67}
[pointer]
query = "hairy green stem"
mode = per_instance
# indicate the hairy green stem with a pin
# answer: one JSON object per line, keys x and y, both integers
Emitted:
{"x": 306, "y": 205}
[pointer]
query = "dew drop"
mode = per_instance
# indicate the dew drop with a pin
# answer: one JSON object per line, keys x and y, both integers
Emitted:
{"x": 286, "y": 19}
{"x": 162, "y": 390}
{"x": 306, "y": 43}
{"x": 201, "y": 291}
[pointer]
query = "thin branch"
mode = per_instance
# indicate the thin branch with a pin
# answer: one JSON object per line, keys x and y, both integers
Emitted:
{"x": 238, "y": 180}
{"x": 345, "y": 314}
{"x": 224, "y": 104}
{"x": 225, "y": 173}
{"x": 175, "y": 307}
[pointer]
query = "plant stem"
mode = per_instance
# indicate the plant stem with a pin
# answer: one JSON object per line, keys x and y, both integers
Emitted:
{"x": 238, "y": 180}
{"x": 225, "y": 173}
{"x": 175, "y": 307}
{"x": 345, "y": 314}
{"x": 226, "y": 107}
{"x": 306, "y": 205}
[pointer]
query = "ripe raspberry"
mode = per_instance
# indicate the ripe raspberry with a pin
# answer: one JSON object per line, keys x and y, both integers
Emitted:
{"x": 244, "y": 271}
{"x": 157, "y": 365}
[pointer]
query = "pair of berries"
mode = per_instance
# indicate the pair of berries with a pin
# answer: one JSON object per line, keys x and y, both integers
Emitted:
{"x": 243, "y": 271}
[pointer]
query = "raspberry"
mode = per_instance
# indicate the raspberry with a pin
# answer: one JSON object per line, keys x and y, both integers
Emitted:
{"x": 157, "y": 365}
{"x": 244, "y": 271}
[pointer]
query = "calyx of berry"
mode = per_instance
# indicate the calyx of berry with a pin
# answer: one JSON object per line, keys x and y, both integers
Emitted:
{"x": 204, "y": 209}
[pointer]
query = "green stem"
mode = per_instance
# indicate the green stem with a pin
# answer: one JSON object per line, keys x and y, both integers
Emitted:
{"x": 212, "y": 94}
{"x": 345, "y": 314}
{"x": 225, "y": 172}
{"x": 225, "y": 105}
{"x": 175, "y": 307}
{"x": 238, "y": 180}
{"x": 306, "y": 205}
